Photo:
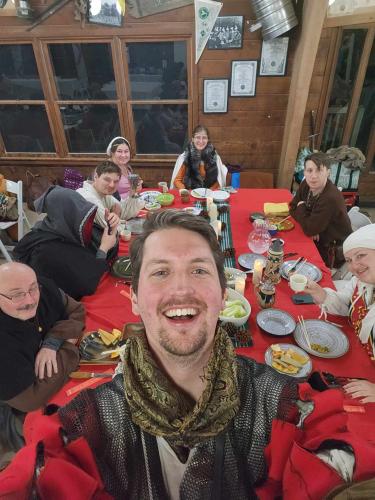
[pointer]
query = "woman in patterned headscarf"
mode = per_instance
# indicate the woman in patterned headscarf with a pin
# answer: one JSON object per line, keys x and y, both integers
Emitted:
{"x": 356, "y": 299}
{"x": 199, "y": 165}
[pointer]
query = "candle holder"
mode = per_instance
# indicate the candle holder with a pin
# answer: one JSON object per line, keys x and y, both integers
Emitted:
{"x": 266, "y": 294}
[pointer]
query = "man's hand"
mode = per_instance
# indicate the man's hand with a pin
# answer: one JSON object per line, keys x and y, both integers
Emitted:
{"x": 116, "y": 209}
{"x": 108, "y": 241}
{"x": 361, "y": 389}
{"x": 316, "y": 291}
{"x": 45, "y": 361}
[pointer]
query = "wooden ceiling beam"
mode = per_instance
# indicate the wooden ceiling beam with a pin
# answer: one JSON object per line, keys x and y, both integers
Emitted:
{"x": 313, "y": 17}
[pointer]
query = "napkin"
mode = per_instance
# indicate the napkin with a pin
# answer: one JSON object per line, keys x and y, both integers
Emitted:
{"x": 276, "y": 209}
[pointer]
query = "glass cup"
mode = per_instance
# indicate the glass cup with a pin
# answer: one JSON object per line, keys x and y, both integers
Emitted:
{"x": 163, "y": 186}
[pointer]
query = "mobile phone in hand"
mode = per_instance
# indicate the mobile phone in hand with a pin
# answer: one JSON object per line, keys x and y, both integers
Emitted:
{"x": 302, "y": 298}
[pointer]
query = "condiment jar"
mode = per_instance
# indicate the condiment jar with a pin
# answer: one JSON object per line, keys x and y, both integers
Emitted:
{"x": 266, "y": 294}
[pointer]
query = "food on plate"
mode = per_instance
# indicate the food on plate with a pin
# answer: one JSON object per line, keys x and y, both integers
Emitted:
{"x": 319, "y": 347}
{"x": 109, "y": 338}
{"x": 233, "y": 309}
{"x": 287, "y": 360}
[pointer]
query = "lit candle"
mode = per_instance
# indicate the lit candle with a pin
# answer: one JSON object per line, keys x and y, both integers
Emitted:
{"x": 209, "y": 201}
{"x": 257, "y": 272}
{"x": 219, "y": 227}
{"x": 239, "y": 285}
{"x": 212, "y": 212}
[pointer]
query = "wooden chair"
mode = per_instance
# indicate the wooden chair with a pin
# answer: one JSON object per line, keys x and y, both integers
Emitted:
{"x": 255, "y": 179}
{"x": 14, "y": 188}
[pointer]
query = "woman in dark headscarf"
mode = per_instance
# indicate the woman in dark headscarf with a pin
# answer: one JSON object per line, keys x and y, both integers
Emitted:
{"x": 200, "y": 165}
{"x": 66, "y": 246}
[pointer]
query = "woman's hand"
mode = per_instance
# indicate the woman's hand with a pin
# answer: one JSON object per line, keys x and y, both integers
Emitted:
{"x": 361, "y": 389}
{"x": 316, "y": 291}
{"x": 108, "y": 241}
{"x": 45, "y": 361}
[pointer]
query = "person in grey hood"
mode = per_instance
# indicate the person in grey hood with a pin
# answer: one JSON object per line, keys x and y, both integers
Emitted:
{"x": 66, "y": 245}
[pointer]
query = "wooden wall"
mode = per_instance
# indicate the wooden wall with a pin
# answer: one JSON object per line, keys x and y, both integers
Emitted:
{"x": 250, "y": 134}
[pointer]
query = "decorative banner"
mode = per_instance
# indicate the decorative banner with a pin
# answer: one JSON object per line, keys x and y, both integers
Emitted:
{"x": 206, "y": 12}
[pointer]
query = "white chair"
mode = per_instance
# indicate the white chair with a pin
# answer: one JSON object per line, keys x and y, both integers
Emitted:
{"x": 14, "y": 188}
{"x": 357, "y": 219}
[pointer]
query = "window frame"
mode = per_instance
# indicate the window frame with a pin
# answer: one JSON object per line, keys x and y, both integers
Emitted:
{"x": 123, "y": 102}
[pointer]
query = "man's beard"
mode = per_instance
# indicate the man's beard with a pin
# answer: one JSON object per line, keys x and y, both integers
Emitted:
{"x": 184, "y": 350}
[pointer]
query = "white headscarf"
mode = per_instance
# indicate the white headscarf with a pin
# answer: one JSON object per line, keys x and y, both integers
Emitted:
{"x": 364, "y": 237}
{"x": 108, "y": 150}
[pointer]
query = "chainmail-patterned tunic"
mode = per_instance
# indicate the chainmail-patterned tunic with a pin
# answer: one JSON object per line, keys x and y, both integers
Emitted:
{"x": 128, "y": 458}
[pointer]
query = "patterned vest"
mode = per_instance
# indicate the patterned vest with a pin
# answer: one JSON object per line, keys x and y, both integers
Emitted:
{"x": 357, "y": 311}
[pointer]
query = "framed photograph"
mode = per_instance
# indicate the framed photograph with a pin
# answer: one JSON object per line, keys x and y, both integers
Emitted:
{"x": 104, "y": 12}
{"x": 215, "y": 96}
{"x": 227, "y": 33}
{"x": 243, "y": 79}
{"x": 274, "y": 57}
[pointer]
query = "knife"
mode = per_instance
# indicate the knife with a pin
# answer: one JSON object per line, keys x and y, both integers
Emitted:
{"x": 90, "y": 375}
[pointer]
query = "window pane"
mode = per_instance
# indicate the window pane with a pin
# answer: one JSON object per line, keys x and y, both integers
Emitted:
{"x": 19, "y": 78}
{"x": 89, "y": 129}
{"x": 25, "y": 129}
{"x": 157, "y": 70}
{"x": 161, "y": 128}
{"x": 365, "y": 119}
{"x": 346, "y": 72}
{"x": 83, "y": 70}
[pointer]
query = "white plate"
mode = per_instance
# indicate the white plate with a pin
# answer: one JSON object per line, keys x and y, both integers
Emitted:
{"x": 325, "y": 334}
{"x": 276, "y": 322}
{"x": 220, "y": 195}
{"x": 149, "y": 196}
{"x": 192, "y": 210}
{"x": 304, "y": 371}
{"x": 307, "y": 269}
{"x": 201, "y": 193}
{"x": 247, "y": 260}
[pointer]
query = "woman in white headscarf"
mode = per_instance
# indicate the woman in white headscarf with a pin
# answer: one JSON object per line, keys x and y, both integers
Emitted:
{"x": 118, "y": 150}
{"x": 356, "y": 299}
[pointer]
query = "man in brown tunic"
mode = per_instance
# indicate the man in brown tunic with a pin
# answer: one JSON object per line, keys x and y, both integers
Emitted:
{"x": 320, "y": 209}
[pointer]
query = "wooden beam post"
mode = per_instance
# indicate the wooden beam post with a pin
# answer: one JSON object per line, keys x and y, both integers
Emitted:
{"x": 313, "y": 17}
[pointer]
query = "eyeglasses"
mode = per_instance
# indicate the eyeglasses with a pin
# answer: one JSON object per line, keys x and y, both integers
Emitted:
{"x": 19, "y": 297}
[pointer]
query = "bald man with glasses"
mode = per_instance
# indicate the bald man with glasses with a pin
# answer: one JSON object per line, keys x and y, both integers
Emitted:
{"x": 39, "y": 327}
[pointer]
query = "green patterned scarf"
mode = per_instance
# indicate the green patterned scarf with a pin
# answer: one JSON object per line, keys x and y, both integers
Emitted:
{"x": 161, "y": 409}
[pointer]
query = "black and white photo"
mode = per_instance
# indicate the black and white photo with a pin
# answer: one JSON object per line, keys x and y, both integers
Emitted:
{"x": 243, "y": 79}
{"x": 274, "y": 57}
{"x": 215, "y": 96}
{"x": 105, "y": 12}
{"x": 227, "y": 33}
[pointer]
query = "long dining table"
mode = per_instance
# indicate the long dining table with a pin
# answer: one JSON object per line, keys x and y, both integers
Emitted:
{"x": 110, "y": 307}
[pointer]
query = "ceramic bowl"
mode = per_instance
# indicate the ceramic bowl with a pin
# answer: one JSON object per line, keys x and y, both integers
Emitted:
{"x": 151, "y": 207}
{"x": 233, "y": 295}
{"x": 272, "y": 229}
{"x": 165, "y": 199}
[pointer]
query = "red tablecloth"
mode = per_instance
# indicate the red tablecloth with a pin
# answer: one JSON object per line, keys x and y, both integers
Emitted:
{"x": 109, "y": 309}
